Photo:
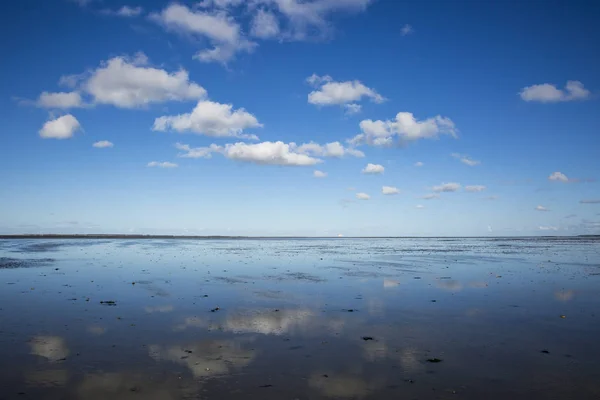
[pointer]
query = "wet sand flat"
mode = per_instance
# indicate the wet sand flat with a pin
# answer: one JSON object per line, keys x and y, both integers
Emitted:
{"x": 439, "y": 318}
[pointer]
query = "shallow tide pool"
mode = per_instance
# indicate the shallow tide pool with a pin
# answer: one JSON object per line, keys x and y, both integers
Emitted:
{"x": 493, "y": 318}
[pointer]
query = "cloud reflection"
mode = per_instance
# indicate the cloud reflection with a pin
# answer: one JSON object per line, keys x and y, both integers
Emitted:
{"x": 52, "y": 348}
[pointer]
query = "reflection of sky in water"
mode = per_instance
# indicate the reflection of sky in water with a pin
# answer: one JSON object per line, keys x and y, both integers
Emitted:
{"x": 273, "y": 319}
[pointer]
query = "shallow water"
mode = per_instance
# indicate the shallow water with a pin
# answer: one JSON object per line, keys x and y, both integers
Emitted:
{"x": 300, "y": 319}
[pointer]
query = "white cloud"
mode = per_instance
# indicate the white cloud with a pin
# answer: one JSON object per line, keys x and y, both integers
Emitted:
{"x": 362, "y": 196}
{"x": 331, "y": 92}
{"x": 373, "y": 169}
{"x": 405, "y": 127}
{"x": 389, "y": 190}
{"x": 541, "y": 208}
{"x": 430, "y": 196}
{"x": 475, "y": 188}
{"x": 352, "y": 108}
{"x": 466, "y": 159}
{"x": 419, "y": 164}
{"x": 548, "y": 228}
{"x": 222, "y": 31}
{"x": 210, "y": 119}
{"x": 60, "y": 100}
{"x": 128, "y": 83}
{"x": 333, "y": 149}
{"x": 125, "y": 11}
{"x": 164, "y": 164}
{"x": 419, "y": 206}
{"x": 548, "y": 93}
{"x": 265, "y": 153}
{"x": 219, "y": 3}
{"x": 305, "y": 19}
{"x": 264, "y": 25}
{"x": 271, "y": 153}
{"x": 103, "y": 144}
{"x": 60, "y": 128}
{"x": 446, "y": 187}
{"x": 407, "y": 30}
{"x": 82, "y": 3}
{"x": 558, "y": 176}
{"x": 319, "y": 174}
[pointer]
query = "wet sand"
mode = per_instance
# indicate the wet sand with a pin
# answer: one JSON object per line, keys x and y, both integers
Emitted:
{"x": 290, "y": 319}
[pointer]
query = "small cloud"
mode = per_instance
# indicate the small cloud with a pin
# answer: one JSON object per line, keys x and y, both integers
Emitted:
{"x": 103, "y": 144}
{"x": 590, "y": 201}
{"x": 352, "y": 108}
{"x": 164, "y": 164}
{"x": 419, "y": 164}
{"x": 570, "y": 216}
{"x": 125, "y": 11}
{"x": 548, "y": 93}
{"x": 466, "y": 159}
{"x": 352, "y": 189}
{"x": 362, "y": 196}
{"x": 346, "y": 93}
{"x": 419, "y": 206}
{"x": 373, "y": 169}
{"x": 475, "y": 188}
{"x": 388, "y": 190}
{"x": 319, "y": 174}
{"x": 558, "y": 176}
{"x": 446, "y": 187}
{"x": 490, "y": 228}
{"x": 541, "y": 208}
{"x": 407, "y": 30}
{"x": 490, "y": 198}
{"x": 548, "y": 228}
{"x": 430, "y": 196}
{"x": 60, "y": 128}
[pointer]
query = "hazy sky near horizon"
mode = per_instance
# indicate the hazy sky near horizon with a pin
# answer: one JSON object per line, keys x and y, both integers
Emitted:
{"x": 300, "y": 117}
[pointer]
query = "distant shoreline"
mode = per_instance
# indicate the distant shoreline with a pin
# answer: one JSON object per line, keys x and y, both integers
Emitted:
{"x": 217, "y": 237}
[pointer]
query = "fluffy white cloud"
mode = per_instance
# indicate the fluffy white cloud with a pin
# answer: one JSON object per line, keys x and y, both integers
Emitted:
{"x": 129, "y": 83}
{"x": 333, "y": 149}
{"x": 541, "y": 208}
{"x": 548, "y": 228}
{"x": 389, "y": 190}
{"x": 271, "y": 153}
{"x": 221, "y": 30}
{"x": 419, "y": 206}
{"x": 362, "y": 196}
{"x": 405, "y": 127}
{"x": 265, "y": 153}
{"x": 264, "y": 25}
{"x": 558, "y": 176}
{"x": 60, "y": 100}
{"x": 211, "y": 119}
{"x": 319, "y": 174}
{"x": 103, "y": 144}
{"x": 373, "y": 169}
{"x": 475, "y": 188}
{"x": 431, "y": 196}
{"x": 548, "y": 93}
{"x": 60, "y": 128}
{"x": 164, "y": 164}
{"x": 310, "y": 18}
{"x": 466, "y": 159}
{"x": 446, "y": 187}
{"x": 331, "y": 92}
{"x": 419, "y": 164}
{"x": 407, "y": 30}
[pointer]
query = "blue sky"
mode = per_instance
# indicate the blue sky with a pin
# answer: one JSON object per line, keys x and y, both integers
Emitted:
{"x": 212, "y": 117}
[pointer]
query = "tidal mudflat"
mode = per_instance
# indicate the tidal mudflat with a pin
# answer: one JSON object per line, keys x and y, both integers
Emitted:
{"x": 493, "y": 318}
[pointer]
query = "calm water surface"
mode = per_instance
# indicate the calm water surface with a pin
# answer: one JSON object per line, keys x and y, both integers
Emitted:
{"x": 300, "y": 319}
